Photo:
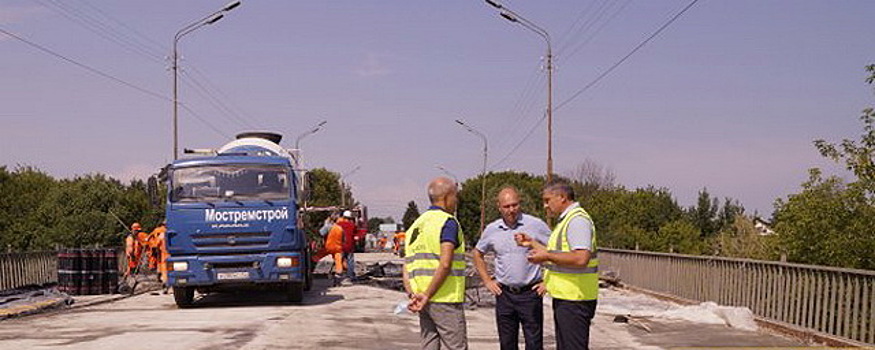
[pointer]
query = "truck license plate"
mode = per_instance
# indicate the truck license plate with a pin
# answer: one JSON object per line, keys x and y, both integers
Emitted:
{"x": 233, "y": 275}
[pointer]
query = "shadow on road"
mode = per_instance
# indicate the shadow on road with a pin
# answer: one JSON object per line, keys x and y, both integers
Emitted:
{"x": 320, "y": 294}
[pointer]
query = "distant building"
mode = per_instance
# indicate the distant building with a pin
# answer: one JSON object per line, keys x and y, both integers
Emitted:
{"x": 763, "y": 227}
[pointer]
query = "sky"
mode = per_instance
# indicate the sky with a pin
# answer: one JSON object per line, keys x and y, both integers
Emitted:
{"x": 729, "y": 97}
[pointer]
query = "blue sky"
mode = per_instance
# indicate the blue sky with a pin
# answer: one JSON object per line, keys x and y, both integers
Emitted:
{"x": 729, "y": 97}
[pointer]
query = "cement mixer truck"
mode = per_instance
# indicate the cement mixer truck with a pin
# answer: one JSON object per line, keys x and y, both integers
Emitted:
{"x": 232, "y": 220}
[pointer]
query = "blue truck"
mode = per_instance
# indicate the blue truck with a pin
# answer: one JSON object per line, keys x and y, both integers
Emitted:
{"x": 232, "y": 221}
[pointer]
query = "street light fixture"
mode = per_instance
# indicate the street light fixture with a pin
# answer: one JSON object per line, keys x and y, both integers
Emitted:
{"x": 210, "y": 19}
{"x": 343, "y": 187}
{"x": 450, "y": 174}
{"x": 308, "y": 133}
{"x": 514, "y": 17}
{"x": 301, "y": 137}
{"x": 482, "y": 174}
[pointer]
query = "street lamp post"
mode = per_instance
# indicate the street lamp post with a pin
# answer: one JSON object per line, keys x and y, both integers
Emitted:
{"x": 509, "y": 15}
{"x": 343, "y": 187}
{"x": 482, "y": 174}
{"x": 212, "y": 18}
{"x": 301, "y": 137}
{"x": 450, "y": 174}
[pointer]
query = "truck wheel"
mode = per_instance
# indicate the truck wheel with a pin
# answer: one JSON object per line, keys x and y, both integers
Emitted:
{"x": 308, "y": 273}
{"x": 308, "y": 280}
{"x": 295, "y": 292}
{"x": 184, "y": 296}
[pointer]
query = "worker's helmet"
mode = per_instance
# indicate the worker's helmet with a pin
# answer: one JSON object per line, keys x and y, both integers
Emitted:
{"x": 135, "y": 226}
{"x": 347, "y": 214}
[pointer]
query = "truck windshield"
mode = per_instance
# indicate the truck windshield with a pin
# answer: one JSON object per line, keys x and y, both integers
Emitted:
{"x": 230, "y": 183}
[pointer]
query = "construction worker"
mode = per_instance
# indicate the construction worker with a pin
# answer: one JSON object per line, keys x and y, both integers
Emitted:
{"x": 158, "y": 250}
{"x": 349, "y": 243}
{"x": 334, "y": 246}
{"x": 571, "y": 266}
{"x": 398, "y": 243}
{"x": 133, "y": 246}
{"x": 434, "y": 270}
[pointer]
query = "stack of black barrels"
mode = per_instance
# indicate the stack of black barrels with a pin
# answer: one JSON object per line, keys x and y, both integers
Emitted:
{"x": 88, "y": 271}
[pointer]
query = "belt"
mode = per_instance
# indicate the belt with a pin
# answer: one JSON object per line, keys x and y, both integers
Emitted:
{"x": 519, "y": 290}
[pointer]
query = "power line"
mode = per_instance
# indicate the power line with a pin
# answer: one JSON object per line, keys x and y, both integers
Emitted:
{"x": 212, "y": 89}
{"x": 599, "y": 78}
{"x": 100, "y": 23}
{"x": 83, "y": 66}
{"x": 584, "y": 21}
{"x": 101, "y": 29}
{"x": 155, "y": 45}
{"x": 597, "y": 30}
{"x": 108, "y": 76}
{"x": 622, "y": 60}
{"x": 523, "y": 140}
{"x": 214, "y": 101}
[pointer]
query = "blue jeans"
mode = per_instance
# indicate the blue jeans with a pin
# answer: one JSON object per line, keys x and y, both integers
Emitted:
{"x": 350, "y": 264}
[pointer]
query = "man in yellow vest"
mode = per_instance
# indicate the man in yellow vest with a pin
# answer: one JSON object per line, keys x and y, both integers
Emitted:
{"x": 434, "y": 270}
{"x": 570, "y": 264}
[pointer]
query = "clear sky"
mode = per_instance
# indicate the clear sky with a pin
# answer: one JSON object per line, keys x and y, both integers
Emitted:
{"x": 729, "y": 97}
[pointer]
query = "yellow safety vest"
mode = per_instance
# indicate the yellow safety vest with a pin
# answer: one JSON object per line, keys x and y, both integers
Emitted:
{"x": 422, "y": 257}
{"x": 571, "y": 283}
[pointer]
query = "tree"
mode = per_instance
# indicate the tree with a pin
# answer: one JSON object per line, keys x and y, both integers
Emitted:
{"x": 324, "y": 187}
{"x": 858, "y": 156}
{"x": 38, "y": 212}
{"x": 704, "y": 214}
{"x": 632, "y": 219}
{"x": 828, "y": 223}
{"x": 679, "y": 236}
{"x": 741, "y": 240}
{"x": 468, "y": 212}
{"x": 375, "y": 222}
{"x": 592, "y": 177}
{"x": 410, "y": 214}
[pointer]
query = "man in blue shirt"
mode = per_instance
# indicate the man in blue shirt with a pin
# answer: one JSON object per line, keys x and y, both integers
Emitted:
{"x": 517, "y": 283}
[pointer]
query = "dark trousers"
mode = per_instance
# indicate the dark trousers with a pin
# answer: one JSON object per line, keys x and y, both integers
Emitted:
{"x": 572, "y": 319}
{"x": 512, "y": 309}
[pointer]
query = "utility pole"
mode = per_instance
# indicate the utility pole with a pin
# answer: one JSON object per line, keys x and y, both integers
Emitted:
{"x": 482, "y": 174}
{"x": 210, "y": 19}
{"x": 514, "y": 17}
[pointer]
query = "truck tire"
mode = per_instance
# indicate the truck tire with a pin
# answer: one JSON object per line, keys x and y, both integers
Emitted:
{"x": 295, "y": 292}
{"x": 184, "y": 296}
{"x": 308, "y": 273}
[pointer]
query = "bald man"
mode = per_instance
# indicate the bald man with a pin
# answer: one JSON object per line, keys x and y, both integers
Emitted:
{"x": 516, "y": 283}
{"x": 434, "y": 270}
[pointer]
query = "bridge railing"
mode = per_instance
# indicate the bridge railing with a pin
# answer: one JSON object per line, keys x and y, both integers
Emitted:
{"x": 834, "y": 301}
{"x": 21, "y": 269}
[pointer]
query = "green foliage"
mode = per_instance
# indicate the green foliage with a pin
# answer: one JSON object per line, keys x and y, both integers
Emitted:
{"x": 828, "y": 223}
{"x": 38, "y": 212}
{"x": 741, "y": 240}
{"x": 679, "y": 236}
{"x": 858, "y": 157}
{"x": 704, "y": 214}
{"x": 324, "y": 187}
{"x": 468, "y": 211}
{"x": 645, "y": 208}
{"x": 374, "y": 223}
{"x": 410, "y": 214}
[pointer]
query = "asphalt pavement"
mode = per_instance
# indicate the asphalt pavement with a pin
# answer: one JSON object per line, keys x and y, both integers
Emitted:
{"x": 358, "y": 316}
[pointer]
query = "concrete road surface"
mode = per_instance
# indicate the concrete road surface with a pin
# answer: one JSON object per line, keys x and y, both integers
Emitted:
{"x": 350, "y": 317}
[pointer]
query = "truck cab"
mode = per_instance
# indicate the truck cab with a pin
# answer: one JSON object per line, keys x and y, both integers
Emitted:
{"x": 232, "y": 221}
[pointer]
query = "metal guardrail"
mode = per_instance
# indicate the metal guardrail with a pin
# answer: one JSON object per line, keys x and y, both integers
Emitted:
{"x": 834, "y": 301}
{"x": 21, "y": 269}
